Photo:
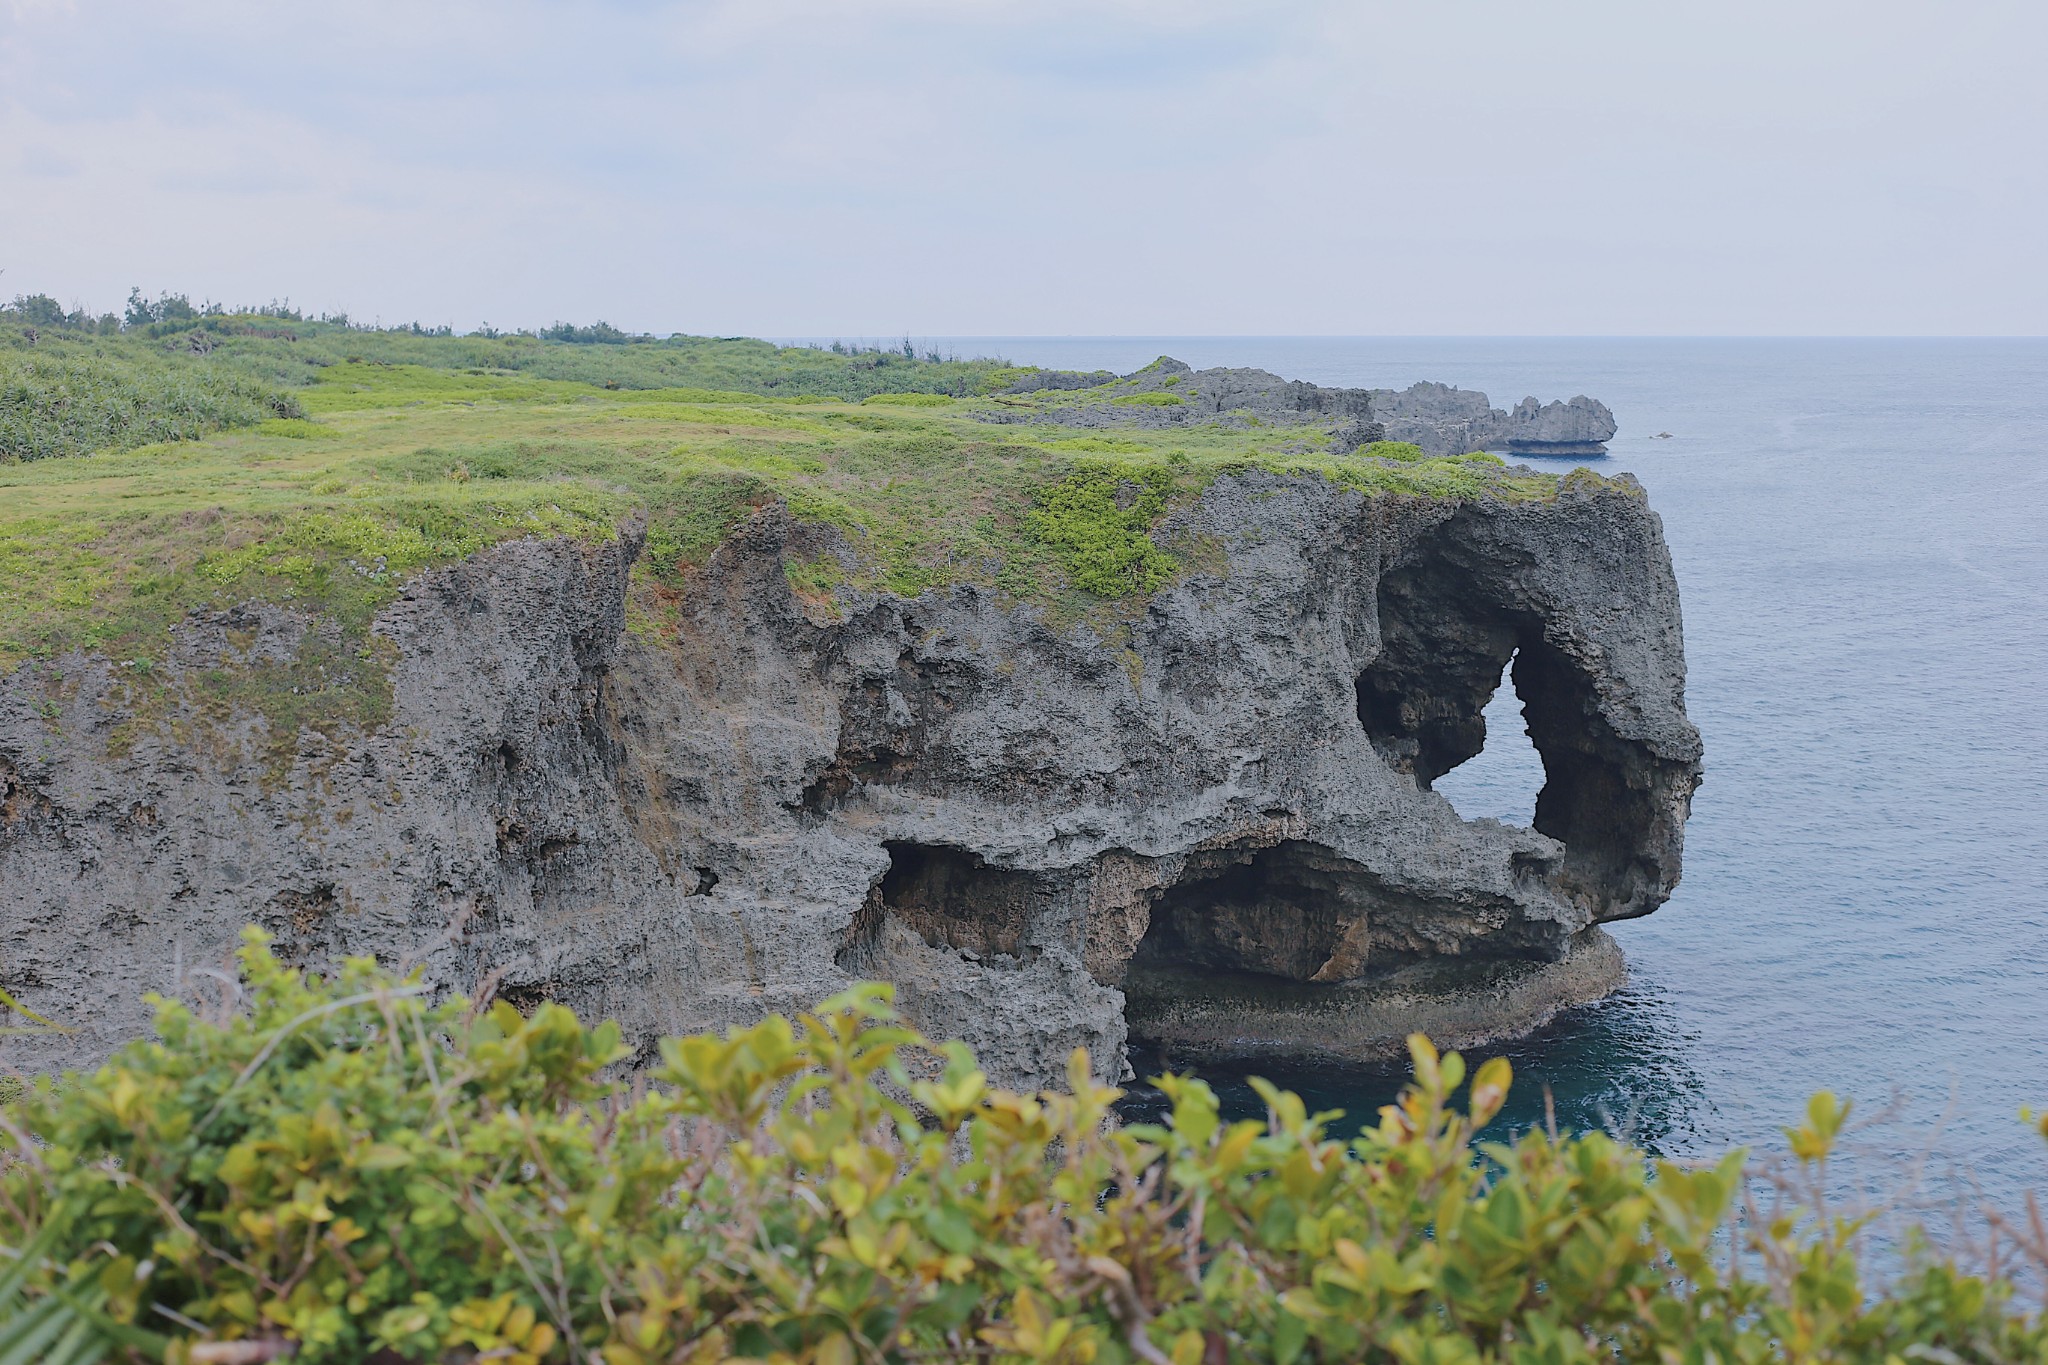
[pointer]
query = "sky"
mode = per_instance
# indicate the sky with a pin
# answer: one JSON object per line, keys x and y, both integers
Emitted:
{"x": 1042, "y": 167}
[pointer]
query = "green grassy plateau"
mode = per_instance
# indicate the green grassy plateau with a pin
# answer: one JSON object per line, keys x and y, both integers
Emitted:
{"x": 220, "y": 460}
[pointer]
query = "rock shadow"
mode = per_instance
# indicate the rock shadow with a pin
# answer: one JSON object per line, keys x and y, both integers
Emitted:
{"x": 1449, "y": 624}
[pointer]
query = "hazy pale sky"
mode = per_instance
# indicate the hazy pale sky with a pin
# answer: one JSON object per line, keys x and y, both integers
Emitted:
{"x": 948, "y": 167}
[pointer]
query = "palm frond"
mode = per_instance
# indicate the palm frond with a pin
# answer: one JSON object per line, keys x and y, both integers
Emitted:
{"x": 67, "y": 1324}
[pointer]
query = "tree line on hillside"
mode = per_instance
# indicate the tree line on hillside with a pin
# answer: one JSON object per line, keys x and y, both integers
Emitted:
{"x": 172, "y": 311}
{"x": 73, "y": 382}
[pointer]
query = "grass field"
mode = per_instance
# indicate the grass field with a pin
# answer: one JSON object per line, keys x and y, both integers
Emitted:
{"x": 402, "y": 454}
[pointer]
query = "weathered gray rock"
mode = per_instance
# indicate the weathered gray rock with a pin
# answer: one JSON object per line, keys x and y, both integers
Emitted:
{"x": 1582, "y": 426}
{"x": 1006, "y": 818}
{"x": 1440, "y": 419}
{"x": 1191, "y": 1014}
{"x": 1447, "y": 421}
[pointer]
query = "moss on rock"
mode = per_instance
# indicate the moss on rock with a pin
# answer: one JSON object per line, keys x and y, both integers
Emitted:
{"x": 333, "y": 464}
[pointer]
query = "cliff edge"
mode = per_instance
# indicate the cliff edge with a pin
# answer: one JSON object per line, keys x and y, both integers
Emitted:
{"x": 1210, "y": 823}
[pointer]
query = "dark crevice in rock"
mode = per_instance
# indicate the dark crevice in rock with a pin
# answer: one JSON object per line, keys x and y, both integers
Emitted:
{"x": 518, "y": 841}
{"x": 20, "y": 805}
{"x": 527, "y": 996}
{"x": 305, "y": 910}
{"x": 952, "y": 898}
{"x": 1600, "y": 797}
{"x": 1291, "y": 910}
{"x": 303, "y": 921}
{"x": 853, "y": 767}
{"x": 1299, "y": 911}
{"x": 883, "y": 723}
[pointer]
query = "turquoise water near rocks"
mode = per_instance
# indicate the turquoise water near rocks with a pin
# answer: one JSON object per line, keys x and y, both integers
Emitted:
{"x": 1860, "y": 529}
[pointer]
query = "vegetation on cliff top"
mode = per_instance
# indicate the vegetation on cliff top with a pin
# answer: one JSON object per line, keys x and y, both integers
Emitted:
{"x": 248, "y": 457}
{"x": 342, "y": 1169}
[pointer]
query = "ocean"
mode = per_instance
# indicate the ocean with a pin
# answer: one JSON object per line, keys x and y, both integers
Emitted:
{"x": 1860, "y": 529}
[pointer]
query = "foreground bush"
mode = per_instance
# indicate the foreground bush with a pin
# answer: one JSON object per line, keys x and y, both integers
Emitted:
{"x": 347, "y": 1172}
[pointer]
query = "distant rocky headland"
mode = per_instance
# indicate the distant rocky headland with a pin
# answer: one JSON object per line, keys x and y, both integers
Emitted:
{"x": 1439, "y": 419}
{"x": 688, "y": 681}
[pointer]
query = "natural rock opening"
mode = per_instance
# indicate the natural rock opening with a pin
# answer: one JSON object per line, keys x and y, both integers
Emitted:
{"x": 1291, "y": 948}
{"x": 953, "y": 899}
{"x": 1448, "y": 632}
{"x": 1423, "y": 699}
{"x": 1292, "y": 910}
{"x": 1502, "y": 780}
{"x": 769, "y": 759}
{"x": 1601, "y": 795}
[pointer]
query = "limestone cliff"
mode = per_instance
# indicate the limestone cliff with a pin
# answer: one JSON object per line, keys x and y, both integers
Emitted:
{"x": 1220, "y": 816}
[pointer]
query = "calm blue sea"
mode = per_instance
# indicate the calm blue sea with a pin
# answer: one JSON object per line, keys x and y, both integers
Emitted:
{"x": 1861, "y": 535}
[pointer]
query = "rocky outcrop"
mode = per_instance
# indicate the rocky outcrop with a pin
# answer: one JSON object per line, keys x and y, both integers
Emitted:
{"x": 1212, "y": 825}
{"x": 1440, "y": 419}
{"x": 1445, "y": 421}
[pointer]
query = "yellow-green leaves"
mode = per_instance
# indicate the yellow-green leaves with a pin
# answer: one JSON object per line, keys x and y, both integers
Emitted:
{"x": 1097, "y": 522}
{"x": 1490, "y": 1090}
{"x": 730, "y": 1079}
{"x": 953, "y": 1098}
{"x": 351, "y": 1169}
{"x": 1814, "y": 1139}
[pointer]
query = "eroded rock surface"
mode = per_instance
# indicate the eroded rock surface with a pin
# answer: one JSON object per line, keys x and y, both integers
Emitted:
{"x": 1442, "y": 420}
{"x": 1011, "y": 820}
{"x": 1445, "y": 420}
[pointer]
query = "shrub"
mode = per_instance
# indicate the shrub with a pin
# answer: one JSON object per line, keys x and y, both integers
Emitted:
{"x": 1097, "y": 520}
{"x": 76, "y": 403}
{"x": 598, "y": 334}
{"x": 347, "y": 1168}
